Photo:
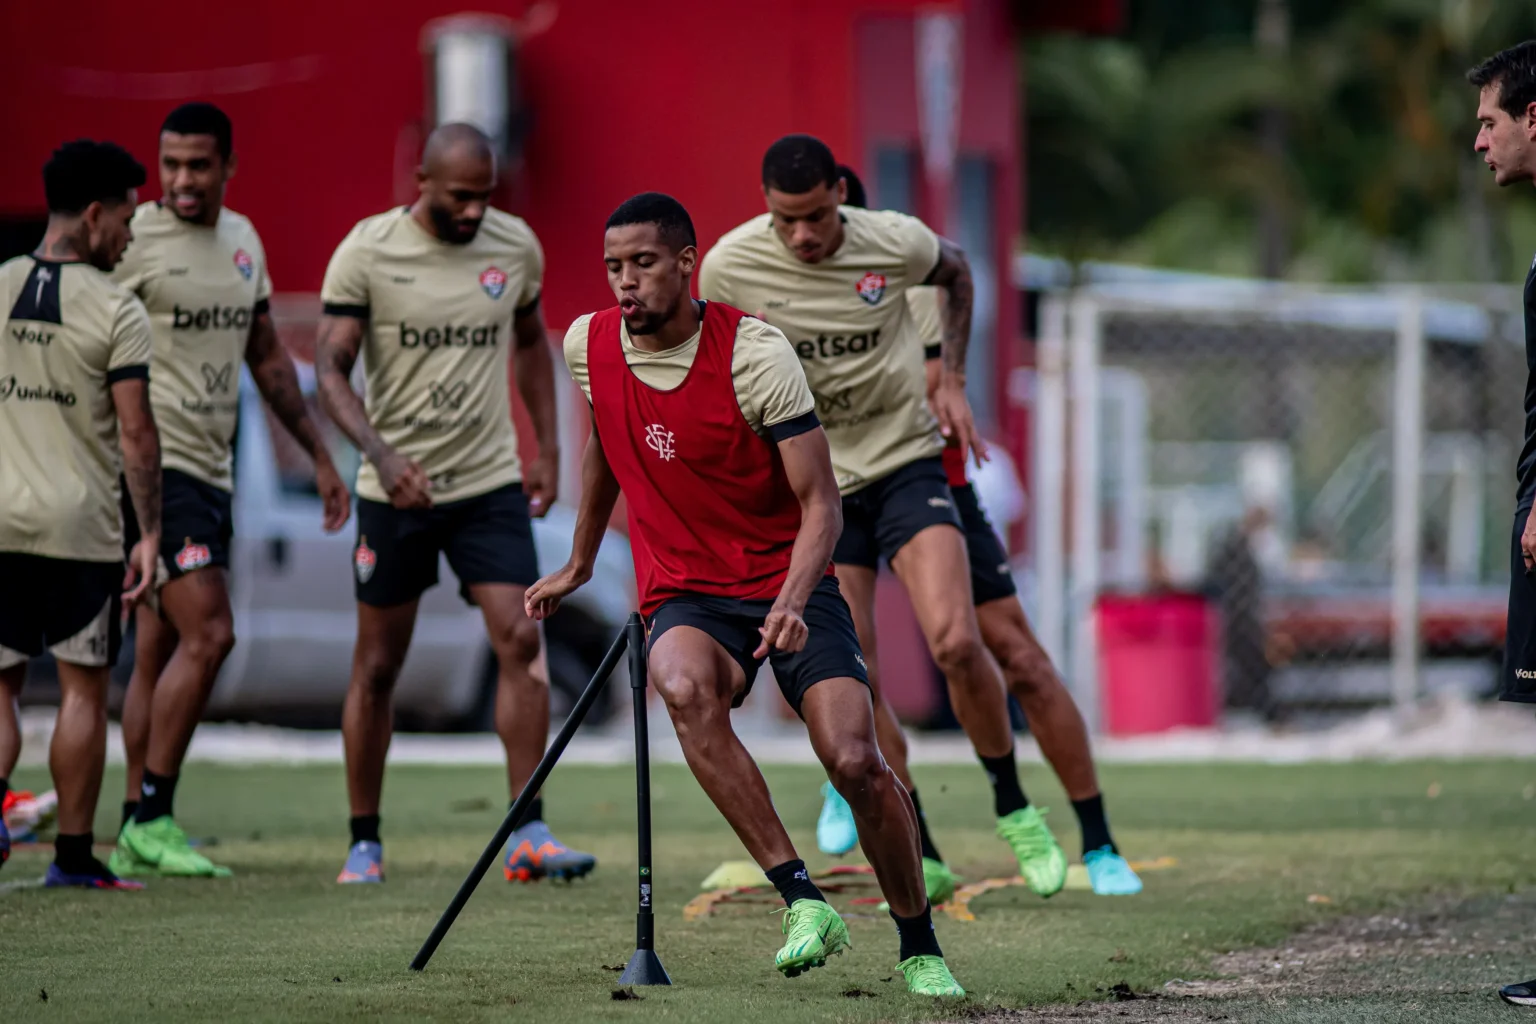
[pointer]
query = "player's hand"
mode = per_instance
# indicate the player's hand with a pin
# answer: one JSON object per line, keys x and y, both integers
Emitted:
{"x": 783, "y": 631}
{"x": 541, "y": 599}
{"x": 953, "y": 411}
{"x": 1528, "y": 542}
{"x": 333, "y": 494}
{"x": 541, "y": 481}
{"x": 143, "y": 562}
{"x": 404, "y": 481}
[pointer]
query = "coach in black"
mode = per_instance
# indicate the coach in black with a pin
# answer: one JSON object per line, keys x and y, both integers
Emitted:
{"x": 1506, "y": 138}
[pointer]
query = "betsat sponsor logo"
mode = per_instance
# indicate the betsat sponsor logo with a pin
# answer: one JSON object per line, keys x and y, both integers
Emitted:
{"x": 213, "y": 318}
{"x": 830, "y": 346}
{"x": 449, "y": 336}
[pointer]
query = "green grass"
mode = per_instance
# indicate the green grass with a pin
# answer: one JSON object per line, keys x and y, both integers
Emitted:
{"x": 281, "y": 941}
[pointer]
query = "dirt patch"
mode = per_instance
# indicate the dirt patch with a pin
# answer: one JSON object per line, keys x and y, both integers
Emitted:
{"x": 1443, "y": 949}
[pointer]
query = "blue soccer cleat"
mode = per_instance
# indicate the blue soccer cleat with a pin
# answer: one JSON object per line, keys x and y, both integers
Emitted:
{"x": 5, "y": 843}
{"x": 1109, "y": 874}
{"x": 364, "y": 866}
{"x": 836, "y": 833}
{"x": 98, "y": 877}
{"x": 533, "y": 853}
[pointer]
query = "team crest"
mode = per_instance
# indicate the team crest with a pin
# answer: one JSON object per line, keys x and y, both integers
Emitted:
{"x": 871, "y": 288}
{"x": 244, "y": 264}
{"x": 364, "y": 560}
{"x": 193, "y": 556}
{"x": 494, "y": 281}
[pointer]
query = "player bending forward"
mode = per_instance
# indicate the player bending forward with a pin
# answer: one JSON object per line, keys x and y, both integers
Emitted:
{"x": 702, "y": 417}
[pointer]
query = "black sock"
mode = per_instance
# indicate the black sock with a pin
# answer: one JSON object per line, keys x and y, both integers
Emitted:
{"x": 917, "y": 934}
{"x": 535, "y": 811}
{"x": 1090, "y": 815}
{"x": 1007, "y": 795}
{"x": 130, "y": 808}
{"x": 923, "y": 838}
{"x": 365, "y": 829}
{"x": 5, "y": 787}
{"x": 73, "y": 854}
{"x": 156, "y": 794}
{"x": 794, "y": 882}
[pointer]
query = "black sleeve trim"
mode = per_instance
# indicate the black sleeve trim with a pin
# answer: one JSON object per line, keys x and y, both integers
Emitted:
{"x": 138, "y": 371}
{"x": 262, "y": 307}
{"x": 346, "y": 309}
{"x": 525, "y": 310}
{"x": 932, "y": 351}
{"x": 802, "y": 424}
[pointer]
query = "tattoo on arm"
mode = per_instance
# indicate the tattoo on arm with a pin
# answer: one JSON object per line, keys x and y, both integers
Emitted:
{"x": 140, "y": 444}
{"x": 337, "y": 344}
{"x": 278, "y": 382}
{"x": 953, "y": 274}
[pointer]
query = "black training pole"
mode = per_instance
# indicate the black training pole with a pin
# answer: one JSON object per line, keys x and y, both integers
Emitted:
{"x": 644, "y": 966}
{"x": 520, "y": 805}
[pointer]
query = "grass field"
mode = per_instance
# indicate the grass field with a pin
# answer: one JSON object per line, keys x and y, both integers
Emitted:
{"x": 1436, "y": 848}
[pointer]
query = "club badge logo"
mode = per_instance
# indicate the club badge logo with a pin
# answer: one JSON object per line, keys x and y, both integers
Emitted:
{"x": 364, "y": 560}
{"x": 244, "y": 264}
{"x": 193, "y": 556}
{"x": 494, "y": 281}
{"x": 661, "y": 441}
{"x": 871, "y": 288}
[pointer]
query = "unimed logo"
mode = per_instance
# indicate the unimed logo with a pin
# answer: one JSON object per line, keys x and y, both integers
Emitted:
{"x": 13, "y": 390}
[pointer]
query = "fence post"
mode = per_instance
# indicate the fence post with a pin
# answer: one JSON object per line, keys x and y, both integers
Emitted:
{"x": 1407, "y": 466}
{"x": 1084, "y": 375}
{"x": 1047, "y": 502}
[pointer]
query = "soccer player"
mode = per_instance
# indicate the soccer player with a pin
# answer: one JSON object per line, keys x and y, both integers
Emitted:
{"x": 200, "y": 270}
{"x": 439, "y": 297}
{"x": 1053, "y": 717}
{"x": 1506, "y": 138}
{"x": 74, "y": 415}
{"x": 702, "y": 418}
{"x": 834, "y": 279}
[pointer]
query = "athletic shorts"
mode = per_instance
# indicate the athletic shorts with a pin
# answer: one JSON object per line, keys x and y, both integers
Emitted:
{"x": 991, "y": 575}
{"x": 880, "y": 518}
{"x": 73, "y": 609}
{"x": 196, "y": 525}
{"x": 487, "y": 538}
{"x": 831, "y": 647}
{"x": 1520, "y": 635}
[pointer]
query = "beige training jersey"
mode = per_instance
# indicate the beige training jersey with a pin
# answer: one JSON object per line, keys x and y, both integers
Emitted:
{"x": 847, "y": 318}
{"x": 770, "y": 385}
{"x": 69, "y": 334}
{"x": 925, "y": 306}
{"x": 439, "y": 339}
{"x": 203, "y": 286}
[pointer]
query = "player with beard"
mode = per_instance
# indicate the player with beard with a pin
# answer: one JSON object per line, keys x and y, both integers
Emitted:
{"x": 74, "y": 415}
{"x": 439, "y": 298}
{"x": 702, "y": 418}
{"x": 201, "y": 271}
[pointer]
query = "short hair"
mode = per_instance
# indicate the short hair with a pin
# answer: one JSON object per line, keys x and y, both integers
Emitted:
{"x": 672, "y": 221}
{"x": 856, "y": 196}
{"x": 1514, "y": 72}
{"x": 202, "y": 119}
{"x": 84, "y": 172}
{"x": 798, "y": 163}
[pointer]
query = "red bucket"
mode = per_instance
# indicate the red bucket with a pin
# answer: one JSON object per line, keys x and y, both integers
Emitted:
{"x": 1159, "y": 662}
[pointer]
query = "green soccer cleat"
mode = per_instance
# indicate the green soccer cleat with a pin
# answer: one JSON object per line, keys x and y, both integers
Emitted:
{"x": 929, "y": 976}
{"x": 1041, "y": 859}
{"x": 161, "y": 847}
{"x": 814, "y": 932}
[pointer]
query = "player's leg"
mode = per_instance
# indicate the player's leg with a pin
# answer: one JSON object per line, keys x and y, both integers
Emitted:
{"x": 13, "y": 673}
{"x": 154, "y": 641}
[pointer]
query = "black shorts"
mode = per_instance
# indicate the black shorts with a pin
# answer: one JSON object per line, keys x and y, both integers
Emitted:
{"x": 196, "y": 525}
{"x": 831, "y": 647}
{"x": 879, "y": 519}
{"x": 73, "y": 609}
{"x": 1520, "y": 634}
{"x": 991, "y": 575}
{"x": 487, "y": 538}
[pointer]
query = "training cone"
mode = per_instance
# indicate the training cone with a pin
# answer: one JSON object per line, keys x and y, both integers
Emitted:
{"x": 644, "y": 968}
{"x": 735, "y": 874}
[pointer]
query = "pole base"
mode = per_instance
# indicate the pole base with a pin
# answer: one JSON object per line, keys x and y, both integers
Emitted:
{"x": 644, "y": 969}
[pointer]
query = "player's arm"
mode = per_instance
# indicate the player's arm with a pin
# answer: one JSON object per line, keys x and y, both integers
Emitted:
{"x": 277, "y": 380}
{"x": 807, "y": 462}
{"x": 599, "y": 493}
{"x": 535, "y": 369}
{"x": 337, "y": 344}
{"x": 140, "y": 443}
{"x": 952, "y": 275}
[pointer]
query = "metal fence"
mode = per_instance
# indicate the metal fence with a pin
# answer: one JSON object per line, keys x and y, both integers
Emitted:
{"x": 1332, "y": 470}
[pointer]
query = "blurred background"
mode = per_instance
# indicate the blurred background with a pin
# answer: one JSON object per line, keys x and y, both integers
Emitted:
{"x": 1247, "y": 334}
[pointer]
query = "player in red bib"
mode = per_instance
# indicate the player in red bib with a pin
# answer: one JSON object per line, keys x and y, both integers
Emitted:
{"x": 702, "y": 417}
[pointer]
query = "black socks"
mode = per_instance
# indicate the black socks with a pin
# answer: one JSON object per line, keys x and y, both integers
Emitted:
{"x": 917, "y": 935}
{"x": 130, "y": 808}
{"x": 156, "y": 794}
{"x": 365, "y": 829}
{"x": 535, "y": 811}
{"x": 1090, "y": 815}
{"x": 1007, "y": 795}
{"x": 5, "y": 787}
{"x": 73, "y": 854}
{"x": 794, "y": 882}
{"x": 923, "y": 838}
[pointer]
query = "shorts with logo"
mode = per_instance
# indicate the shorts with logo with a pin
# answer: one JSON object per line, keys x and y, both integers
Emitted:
{"x": 71, "y": 608}
{"x": 1520, "y": 634}
{"x": 991, "y": 575}
{"x": 196, "y": 525}
{"x": 880, "y": 518}
{"x": 488, "y": 539}
{"x": 831, "y": 646}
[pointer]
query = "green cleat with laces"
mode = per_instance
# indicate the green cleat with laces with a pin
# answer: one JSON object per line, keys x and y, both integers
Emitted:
{"x": 1042, "y": 861}
{"x": 161, "y": 847}
{"x": 814, "y": 932}
{"x": 929, "y": 976}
